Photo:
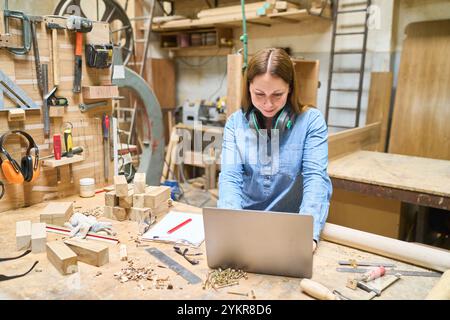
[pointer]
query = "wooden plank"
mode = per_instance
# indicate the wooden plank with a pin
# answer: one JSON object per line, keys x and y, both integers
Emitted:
{"x": 155, "y": 196}
{"x": 53, "y": 163}
{"x": 421, "y": 111}
{"x": 234, "y": 83}
{"x": 23, "y": 235}
{"x": 57, "y": 213}
{"x": 92, "y": 253}
{"x": 62, "y": 257}
{"x": 16, "y": 115}
{"x": 38, "y": 237}
{"x": 140, "y": 214}
{"x": 111, "y": 199}
{"x": 379, "y": 103}
{"x": 139, "y": 182}
{"x": 229, "y": 10}
{"x": 348, "y": 141}
{"x": 416, "y": 174}
{"x": 99, "y": 92}
{"x": 121, "y": 186}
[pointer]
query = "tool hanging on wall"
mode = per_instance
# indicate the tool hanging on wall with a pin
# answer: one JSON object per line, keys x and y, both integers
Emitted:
{"x": 105, "y": 128}
{"x": 26, "y": 29}
{"x": 37, "y": 60}
{"x": 55, "y": 23}
{"x": 53, "y": 100}
{"x": 68, "y": 143}
{"x": 99, "y": 56}
{"x": 79, "y": 25}
{"x": 45, "y": 106}
{"x": 57, "y": 153}
{"x": 76, "y": 150}
{"x": 15, "y": 93}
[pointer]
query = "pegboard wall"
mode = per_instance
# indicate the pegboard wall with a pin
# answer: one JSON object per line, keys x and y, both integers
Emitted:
{"x": 87, "y": 127}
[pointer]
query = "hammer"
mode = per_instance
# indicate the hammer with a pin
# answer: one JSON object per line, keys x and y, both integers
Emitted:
{"x": 79, "y": 25}
{"x": 55, "y": 23}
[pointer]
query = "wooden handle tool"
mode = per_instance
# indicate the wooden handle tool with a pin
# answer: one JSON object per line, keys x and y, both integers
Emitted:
{"x": 317, "y": 290}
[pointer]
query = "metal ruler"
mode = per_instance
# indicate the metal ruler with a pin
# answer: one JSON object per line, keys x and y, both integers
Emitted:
{"x": 393, "y": 272}
{"x": 175, "y": 266}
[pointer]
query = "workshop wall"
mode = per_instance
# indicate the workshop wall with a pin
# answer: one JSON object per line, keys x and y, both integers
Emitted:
{"x": 87, "y": 130}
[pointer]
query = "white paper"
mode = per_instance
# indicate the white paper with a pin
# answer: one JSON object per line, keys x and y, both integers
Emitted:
{"x": 191, "y": 233}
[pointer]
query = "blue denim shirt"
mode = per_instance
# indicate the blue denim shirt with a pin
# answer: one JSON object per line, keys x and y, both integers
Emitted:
{"x": 258, "y": 175}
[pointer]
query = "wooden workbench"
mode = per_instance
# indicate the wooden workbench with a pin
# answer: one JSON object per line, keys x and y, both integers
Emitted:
{"x": 415, "y": 180}
{"x": 86, "y": 284}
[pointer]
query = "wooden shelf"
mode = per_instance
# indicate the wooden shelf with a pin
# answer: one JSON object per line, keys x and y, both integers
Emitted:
{"x": 53, "y": 163}
{"x": 291, "y": 16}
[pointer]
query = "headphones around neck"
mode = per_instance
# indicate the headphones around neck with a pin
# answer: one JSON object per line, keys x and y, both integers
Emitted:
{"x": 29, "y": 167}
{"x": 284, "y": 119}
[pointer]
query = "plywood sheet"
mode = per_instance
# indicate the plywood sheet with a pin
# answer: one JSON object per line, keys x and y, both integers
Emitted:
{"x": 422, "y": 105}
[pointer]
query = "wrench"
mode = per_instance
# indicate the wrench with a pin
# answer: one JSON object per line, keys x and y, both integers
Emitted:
{"x": 86, "y": 107}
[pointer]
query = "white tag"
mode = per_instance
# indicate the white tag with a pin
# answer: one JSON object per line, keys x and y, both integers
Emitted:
{"x": 119, "y": 72}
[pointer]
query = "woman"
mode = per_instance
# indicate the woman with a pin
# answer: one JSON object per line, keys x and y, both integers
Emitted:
{"x": 275, "y": 150}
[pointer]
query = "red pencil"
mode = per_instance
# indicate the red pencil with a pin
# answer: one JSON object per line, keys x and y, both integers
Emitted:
{"x": 179, "y": 226}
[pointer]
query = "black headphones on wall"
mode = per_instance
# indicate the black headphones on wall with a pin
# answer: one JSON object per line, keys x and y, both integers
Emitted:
{"x": 283, "y": 120}
{"x": 29, "y": 168}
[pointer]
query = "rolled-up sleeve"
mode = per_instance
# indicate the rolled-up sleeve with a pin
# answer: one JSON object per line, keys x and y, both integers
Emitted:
{"x": 230, "y": 177}
{"x": 317, "y": 187}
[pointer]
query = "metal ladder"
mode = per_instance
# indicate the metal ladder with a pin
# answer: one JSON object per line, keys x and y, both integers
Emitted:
{"x": 337, "y": 11}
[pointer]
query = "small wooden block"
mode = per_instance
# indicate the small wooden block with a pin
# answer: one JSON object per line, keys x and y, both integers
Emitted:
{"x": 56, "y": 112}
{"x": 123, "y": 252}
{"x": 139, "y": 182}
{"x": 16, "y": 114}
{"x": 126, "y": 202}
{"x": 120, "y": 214}
{"x": 38, "y": 237}
{"x": 155, "y": 196}
{"x": 92, "y": 253}
{"x": 23, "y": 235}
{"x": 140, "y": 214}
{"x": 111, "y": 200}
{"x": 108, "y": 212}
{"x": 121, "y": 186}
{"x": 57, "y": 213}
{"x": 138, "y": 200}
{"x": 62, "y": 257}
{"x": 100, "y": 92}
{"x": 161, "y": 209}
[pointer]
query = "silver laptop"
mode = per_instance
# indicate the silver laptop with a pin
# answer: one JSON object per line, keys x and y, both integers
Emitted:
{"x": 275, "y": 243}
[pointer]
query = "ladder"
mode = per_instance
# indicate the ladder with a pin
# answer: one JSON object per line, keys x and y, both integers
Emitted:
{"x": 339, "y": 10}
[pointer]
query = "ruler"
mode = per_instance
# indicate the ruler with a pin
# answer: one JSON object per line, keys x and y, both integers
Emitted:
{"x": 393, "y": 272}
{"x": 175, "y": 266}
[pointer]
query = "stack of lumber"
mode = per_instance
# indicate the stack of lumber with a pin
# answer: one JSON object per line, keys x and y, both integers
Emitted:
{"x": 137, "y": 201}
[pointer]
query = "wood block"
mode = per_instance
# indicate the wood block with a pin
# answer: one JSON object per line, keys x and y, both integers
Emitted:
{"x": 111, "y": 200}
{"x": 56, "y": 112}
{"x": 62, "y": 257}
{"x": 138, "y": 200}
{"x": 139, "y": 182}
{"x": 100, "y": 92}
{"x": 121, "y": 186}
{"x": 92, "y": 253}
{"x": 108, "y": 212}
{"x": 38, "y": 237}
{"x": 16, "y": 114}
{"x": 23, "y": 235}
{"x": 126, "y": 202}
{"x": 140, "y": 214}
{"x": 155, "y": 196}
{"x": 123, "y": 252}
{"x": 57, "y": 213}
{"x": 120, "y": 214}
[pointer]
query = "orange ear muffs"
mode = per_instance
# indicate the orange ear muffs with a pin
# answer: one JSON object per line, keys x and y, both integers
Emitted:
{"x": 11, "y": 175}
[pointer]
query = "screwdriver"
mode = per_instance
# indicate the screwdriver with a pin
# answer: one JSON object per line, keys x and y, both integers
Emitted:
{"x": 317, "y": 290}
{"x": 105, "y": 127}
{"x": 69, "y": 146}
{"x": 57, "y": 154}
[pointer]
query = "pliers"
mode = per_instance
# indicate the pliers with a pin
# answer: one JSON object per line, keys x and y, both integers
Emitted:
{"x": 185, "y": 255}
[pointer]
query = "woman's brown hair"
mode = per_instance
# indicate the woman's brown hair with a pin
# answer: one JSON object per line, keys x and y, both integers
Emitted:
{"x": 281, "y": 66}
